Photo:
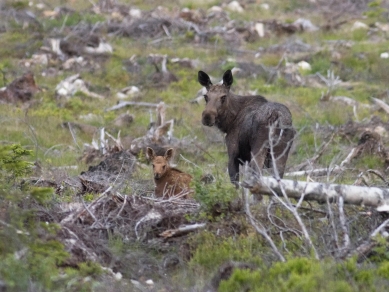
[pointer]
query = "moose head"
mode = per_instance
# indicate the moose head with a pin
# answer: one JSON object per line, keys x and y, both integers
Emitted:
{"x": 216, "y": 97}
{"x": 160, "y": 163}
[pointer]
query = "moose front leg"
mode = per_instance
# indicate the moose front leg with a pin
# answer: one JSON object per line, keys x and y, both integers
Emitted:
{"x": 233, "y": 161}
{"x": 233, "y": 170}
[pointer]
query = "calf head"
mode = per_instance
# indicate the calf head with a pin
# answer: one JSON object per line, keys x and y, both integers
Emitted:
{"x": 216, "y": 97}
{"x": 160, "y": 163}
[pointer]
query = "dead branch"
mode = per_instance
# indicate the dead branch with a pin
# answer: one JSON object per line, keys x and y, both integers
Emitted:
{"x": 379, "y": 228}
{"x": 331, "y": 218}
{"x": 317, "y": 155}
{"x": 348, "y": 101}
{"x": 366, "y": 247}
{"x": 181, "y": 230}
{"x": 342, "y": 219}
{"x": 382, "y": 104}
{"x": 284, "y": 198}
{"x": 259, "y": 227}
{"x": 122, "y": 104}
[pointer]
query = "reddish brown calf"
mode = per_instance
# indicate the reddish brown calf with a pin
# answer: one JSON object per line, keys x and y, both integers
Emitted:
{"x": 169, "y": 181}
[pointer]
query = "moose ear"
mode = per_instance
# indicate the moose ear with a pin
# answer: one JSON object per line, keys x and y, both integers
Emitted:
{"x": 204, "y": 79}
{"x": 169, "y": 154}
{"x": 227, "y": 78}
{"x": 150, "y": 154}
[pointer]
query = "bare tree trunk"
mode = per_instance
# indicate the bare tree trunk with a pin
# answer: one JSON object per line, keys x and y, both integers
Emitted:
{"x": 320, "y": 192}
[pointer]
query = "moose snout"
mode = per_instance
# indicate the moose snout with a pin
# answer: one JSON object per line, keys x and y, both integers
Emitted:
{"x": 157, "y": 176}
{"x": 208, "y": 119}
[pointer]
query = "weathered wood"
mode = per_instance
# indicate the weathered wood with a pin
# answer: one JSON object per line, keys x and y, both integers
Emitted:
{"x": 381, "y": 103}
{"x": 122, "y": 104}
{"x": 320, "y": 192}
{"x": 182, "y": 230}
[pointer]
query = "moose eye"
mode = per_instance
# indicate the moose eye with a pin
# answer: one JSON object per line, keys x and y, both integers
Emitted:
{"x": 164, "y": 167}
{"x": 206, "y": 98}
{"x": 153, "y": 166}
{"x": 223, "y": 98}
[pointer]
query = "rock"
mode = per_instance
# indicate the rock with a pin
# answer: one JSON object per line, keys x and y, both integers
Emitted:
{"x": 22, "y": 89}
{"x": 135, "y": 13}
{"x": 305, "y": 66}
{"x": 359, "y": 25}
{"x": 305, "y": 25}
{"x": 235, "y": 7}
{"x": 260, "y": 29}
{"x": 215, "y": 9}
{"x": 124, "y": 120}
{"x": 384, "y": 55}
{"x": 102, "y": 48}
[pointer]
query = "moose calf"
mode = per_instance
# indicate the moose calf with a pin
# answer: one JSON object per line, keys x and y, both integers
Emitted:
{"x": 256, "y": 130}
{"x": 169, "y": 181}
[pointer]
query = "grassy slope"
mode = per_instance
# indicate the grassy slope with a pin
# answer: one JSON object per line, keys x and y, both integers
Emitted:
{"x": 38, "y": 128}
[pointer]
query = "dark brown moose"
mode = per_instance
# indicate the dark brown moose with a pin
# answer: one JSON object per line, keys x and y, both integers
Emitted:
{"x": 169, "y": 181}
{"x": 256, "y": 130}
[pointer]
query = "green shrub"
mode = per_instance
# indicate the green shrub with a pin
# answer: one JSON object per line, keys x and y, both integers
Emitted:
{"x": 211, "y": 251}
{"x": 303, "y": 274}
{"x": 11, "y": 163}
{"x": 215, "y": 197}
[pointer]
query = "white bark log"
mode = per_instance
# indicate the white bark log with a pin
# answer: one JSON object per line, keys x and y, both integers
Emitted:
{"x": 321, "y": 192}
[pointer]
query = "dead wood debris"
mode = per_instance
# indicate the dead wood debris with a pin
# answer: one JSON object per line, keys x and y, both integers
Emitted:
{"x": 21, "y": 90}
{"x": 133, "y": 218}
{"x": 370, "y": 144}
{"x": 159, "y": 136}
{"x": 73, "y": 84}
{"x": 372, "y": 135}
{"x": 162, "y": 77}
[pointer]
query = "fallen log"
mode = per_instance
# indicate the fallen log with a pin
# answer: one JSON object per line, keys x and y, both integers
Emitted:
{"x": 122, "y": 104}
{"x": 317, "y": 191}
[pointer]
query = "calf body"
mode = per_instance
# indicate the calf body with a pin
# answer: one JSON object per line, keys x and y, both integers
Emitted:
{"x": 257, "y": 130}
{"x": 169, "y": 181}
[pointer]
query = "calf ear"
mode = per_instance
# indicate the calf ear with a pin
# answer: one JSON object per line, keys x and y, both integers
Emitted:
{"x": 227, "y": 78}
{"x": 204, "y": 79}
{"x": 150, "y": 154}
{"x": 169, "y": 154}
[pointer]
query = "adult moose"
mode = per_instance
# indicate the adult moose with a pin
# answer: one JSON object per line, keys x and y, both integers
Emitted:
{"x": 256, "y": 130}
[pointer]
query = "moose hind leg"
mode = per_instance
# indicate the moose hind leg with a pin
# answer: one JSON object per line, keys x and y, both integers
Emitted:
{"x": 259, "y": 159}
{"x": 281, "y": 150}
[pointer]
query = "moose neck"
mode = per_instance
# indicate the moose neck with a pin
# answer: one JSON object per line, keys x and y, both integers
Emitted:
{"x": 226, "y": 118}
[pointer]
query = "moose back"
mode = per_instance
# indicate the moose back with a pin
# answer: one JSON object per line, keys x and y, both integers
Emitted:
{"x": 257, "y": 130}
